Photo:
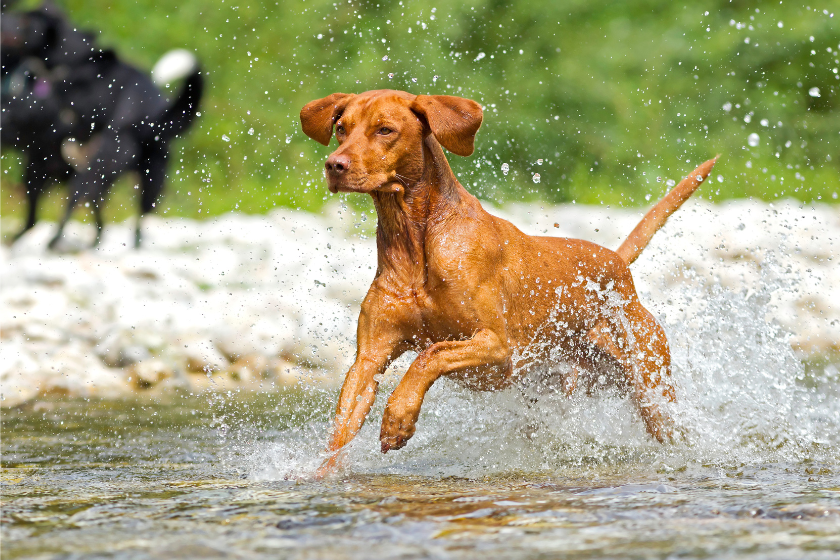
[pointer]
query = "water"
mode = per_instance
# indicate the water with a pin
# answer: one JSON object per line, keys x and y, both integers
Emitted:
{"x": 756, "y": 473}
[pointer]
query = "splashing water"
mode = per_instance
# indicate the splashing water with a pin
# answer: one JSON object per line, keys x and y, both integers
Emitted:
{"x": 743, "y": 397}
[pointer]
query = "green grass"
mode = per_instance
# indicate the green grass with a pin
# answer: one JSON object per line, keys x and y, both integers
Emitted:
{"x": 614, "y": 98}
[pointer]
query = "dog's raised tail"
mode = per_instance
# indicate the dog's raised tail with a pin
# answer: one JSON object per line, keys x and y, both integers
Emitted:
{"x": 176, "y": 65}
{"x": 659, "y": 214}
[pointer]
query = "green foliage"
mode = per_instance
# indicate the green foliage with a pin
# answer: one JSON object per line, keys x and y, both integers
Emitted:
{"x": 605, "y": 100}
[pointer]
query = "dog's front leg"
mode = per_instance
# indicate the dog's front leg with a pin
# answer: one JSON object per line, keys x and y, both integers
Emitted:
{"x": 378, "y": 344}
{"x": 354, "y": 403}
{"x": 486, "y": 352}
{"x": 35, "y": 182}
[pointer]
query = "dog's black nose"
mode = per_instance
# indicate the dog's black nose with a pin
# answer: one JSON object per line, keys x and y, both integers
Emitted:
{"x": 337, "y": 165}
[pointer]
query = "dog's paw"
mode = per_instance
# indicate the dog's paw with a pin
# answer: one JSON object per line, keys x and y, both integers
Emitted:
{"x": 330, "y": 466}
{"x": 396, "y": 430}
{"x": 667, "y": 432}
{"x": 62, "y": 246}
{"x": 678, "y": 434}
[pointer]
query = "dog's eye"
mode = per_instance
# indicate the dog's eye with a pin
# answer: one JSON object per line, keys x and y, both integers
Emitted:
{"x": 385, "y": 131}
{"x": 339, "y": 129}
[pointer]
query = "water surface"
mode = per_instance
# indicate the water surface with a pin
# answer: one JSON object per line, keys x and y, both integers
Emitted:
{"x": 755, "y": 472}
{"x": 193, "y": 477}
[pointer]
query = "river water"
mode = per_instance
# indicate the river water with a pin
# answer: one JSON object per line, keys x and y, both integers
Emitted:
{"x": 226, "y": 475}
{"x": 755, "y": 472}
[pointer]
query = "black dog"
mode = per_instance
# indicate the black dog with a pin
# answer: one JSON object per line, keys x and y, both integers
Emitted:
{"x": 81, "y": 115}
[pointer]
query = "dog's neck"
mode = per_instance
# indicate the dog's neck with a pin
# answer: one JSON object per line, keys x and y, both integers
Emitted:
{"x": 403, "y": 217}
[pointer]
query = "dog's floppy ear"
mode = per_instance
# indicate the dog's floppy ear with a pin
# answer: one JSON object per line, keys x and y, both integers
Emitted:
{"x": 317, "y": 117}
{"x": 452, "y": 120}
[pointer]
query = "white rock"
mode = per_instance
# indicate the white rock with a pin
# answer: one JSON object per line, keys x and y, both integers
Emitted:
{"x": 288, "y": 286}
{"x": 199, "y": 354}
{"x": 149, "y": 372}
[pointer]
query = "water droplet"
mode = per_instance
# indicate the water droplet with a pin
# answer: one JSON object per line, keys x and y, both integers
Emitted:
{"x": 753, "y": 139}
{"x": 539, "y": 161}
{"x": 480, "y": 56}
{"x": 225, "y": 138}
{"x": 505, "y": 168}
{"x": 814, "y": 92}
{"x": 251, "y": 131}
{"x": 536, "y": 177}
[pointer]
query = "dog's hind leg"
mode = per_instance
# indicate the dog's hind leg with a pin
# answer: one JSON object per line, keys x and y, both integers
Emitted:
{"x": 635, "y": 342}
{"x": 152, "y": 176}
{"x": 97, "y": 217}
{"x": 81, "y": 189}
{"x": 116, "y": 153}
{"x": 72, "y": 200}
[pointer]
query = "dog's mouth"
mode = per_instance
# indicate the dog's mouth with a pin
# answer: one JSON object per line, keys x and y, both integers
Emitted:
{"x": 337, "y": 185}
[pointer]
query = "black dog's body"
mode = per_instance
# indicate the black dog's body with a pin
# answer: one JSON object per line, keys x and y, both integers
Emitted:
{"x": 58, "y": 88}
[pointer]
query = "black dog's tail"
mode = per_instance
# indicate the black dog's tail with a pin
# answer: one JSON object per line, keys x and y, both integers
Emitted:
{"x": 180, "y": 115}
{"x": 183, "y": 111}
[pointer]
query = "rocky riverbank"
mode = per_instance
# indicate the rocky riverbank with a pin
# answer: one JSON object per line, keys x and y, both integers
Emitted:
{"x": 256, "y": 301}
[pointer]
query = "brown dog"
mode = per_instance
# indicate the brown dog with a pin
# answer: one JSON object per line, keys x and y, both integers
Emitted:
{"x": 479, "y": 300}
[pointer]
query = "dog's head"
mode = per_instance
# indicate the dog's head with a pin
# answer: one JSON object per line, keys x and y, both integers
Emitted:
{"x": 381, "y": 135}
{"x": 44, "y": 34}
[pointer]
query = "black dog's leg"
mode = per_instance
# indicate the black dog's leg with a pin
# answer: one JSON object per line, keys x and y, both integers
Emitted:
{"x": 78, "y": 194}
{"x": 153, "y": 174}
{"x": 35, "y": 179}
{"x": 115, "y": 154}
{"x": 97, "y": 216}
{"x": 33, "y": 193}
{"x": 138, "y": 232}
{"x": 71, "y": 203}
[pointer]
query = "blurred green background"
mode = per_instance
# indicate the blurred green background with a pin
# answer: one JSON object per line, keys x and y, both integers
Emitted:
{"x": 607, "y": 101}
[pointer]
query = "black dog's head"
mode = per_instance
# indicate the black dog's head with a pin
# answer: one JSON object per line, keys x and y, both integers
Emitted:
{"x": 40, "y": 48}
{"x": 44, "y": 34}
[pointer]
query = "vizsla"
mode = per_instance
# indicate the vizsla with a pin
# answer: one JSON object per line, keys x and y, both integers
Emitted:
{"x": 481, "y": 302}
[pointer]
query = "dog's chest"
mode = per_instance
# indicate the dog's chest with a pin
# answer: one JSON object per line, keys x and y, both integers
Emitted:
{"x": 439, "y": 313}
